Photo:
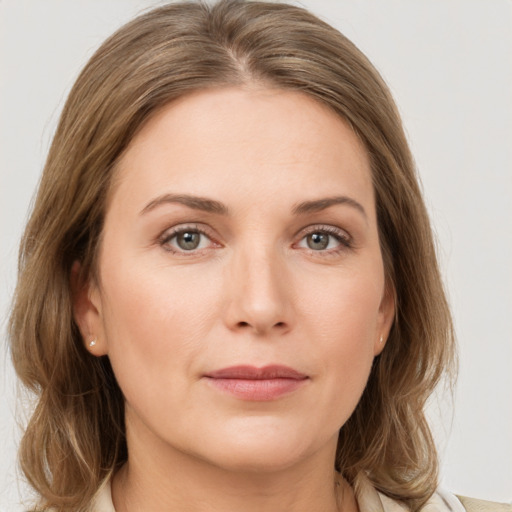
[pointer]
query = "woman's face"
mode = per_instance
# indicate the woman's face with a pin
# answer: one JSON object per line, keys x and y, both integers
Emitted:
{"x": 241, "y": 295}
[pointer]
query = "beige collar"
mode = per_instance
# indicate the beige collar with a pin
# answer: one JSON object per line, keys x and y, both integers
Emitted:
{"x": 371, "y": 500}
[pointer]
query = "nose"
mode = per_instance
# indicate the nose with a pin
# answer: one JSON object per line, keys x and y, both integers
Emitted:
{"x": 258, "y": 293}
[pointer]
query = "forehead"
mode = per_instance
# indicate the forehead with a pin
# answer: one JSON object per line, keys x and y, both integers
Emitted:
{"x": 245, "y": 141}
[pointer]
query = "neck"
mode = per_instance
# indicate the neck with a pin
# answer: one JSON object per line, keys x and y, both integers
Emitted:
{"x": 163, "y": 479}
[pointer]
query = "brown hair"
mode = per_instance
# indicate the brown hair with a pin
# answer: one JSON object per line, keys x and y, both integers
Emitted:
{"x": 75, "y": 438}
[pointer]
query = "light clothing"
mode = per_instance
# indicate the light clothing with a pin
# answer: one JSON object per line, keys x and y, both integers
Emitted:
{"x": 368, "y": 500}
{"x": 371, "y": 500}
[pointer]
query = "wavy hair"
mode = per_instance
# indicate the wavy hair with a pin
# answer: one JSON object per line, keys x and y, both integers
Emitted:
{"x": 75, "y": 438}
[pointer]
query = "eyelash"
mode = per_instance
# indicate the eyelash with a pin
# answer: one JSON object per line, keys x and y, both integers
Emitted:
{"x": 340, "y": 235}
{"x": 165, "y": 239}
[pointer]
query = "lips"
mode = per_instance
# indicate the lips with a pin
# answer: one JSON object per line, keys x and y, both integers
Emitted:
{"x": 253, "y": 373}
{"x": 256, "y": 384}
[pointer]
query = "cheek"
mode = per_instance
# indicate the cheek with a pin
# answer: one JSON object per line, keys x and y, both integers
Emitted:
{"x": 342, "y": 322}
{"x": 343, "y": 307}
{"x": 155, "y": 324}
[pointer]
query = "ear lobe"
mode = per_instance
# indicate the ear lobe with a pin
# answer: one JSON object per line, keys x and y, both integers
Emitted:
{"x": 386, "y": 318}
{"x": 87, "y": 311}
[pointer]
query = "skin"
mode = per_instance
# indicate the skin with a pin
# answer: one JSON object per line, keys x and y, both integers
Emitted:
{"x": 258, "y": 290}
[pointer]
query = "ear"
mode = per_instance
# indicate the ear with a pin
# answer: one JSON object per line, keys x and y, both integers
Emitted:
{"x": 386, "y": 318}
{"x": 87, "y": 311}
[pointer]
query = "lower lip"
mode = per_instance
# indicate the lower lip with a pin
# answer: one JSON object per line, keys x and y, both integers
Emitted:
{"x": 260, "y": 390}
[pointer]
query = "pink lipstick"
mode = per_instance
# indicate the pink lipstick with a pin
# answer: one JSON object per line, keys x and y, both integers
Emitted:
{"x": 257, "y": 384}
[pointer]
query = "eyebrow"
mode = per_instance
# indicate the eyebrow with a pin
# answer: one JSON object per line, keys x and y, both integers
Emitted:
{"x": 212, "y": 206}
{"x": 197, "y": 203}
{"x": 319, "y": 205}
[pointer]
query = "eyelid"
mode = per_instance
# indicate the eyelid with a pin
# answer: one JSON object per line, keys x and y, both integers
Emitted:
{"x": 325, "y": 228}
{"x": 170, "y": 233}
{"x": 344, "y": 238}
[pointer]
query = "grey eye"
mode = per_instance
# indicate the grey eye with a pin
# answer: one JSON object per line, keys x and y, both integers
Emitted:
{"x": 318, "y": 241}
{"x": 188, "y": 240}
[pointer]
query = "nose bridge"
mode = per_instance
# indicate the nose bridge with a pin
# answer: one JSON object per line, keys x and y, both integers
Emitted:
{"x": 258, "y": 291}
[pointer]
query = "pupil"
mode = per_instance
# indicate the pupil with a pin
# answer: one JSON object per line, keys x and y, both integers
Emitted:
{"x": 188, "y": 240}
{"x": 318, "y": 241}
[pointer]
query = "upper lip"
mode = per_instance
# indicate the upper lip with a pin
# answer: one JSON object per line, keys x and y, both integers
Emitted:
{"x": 248, "y": 372}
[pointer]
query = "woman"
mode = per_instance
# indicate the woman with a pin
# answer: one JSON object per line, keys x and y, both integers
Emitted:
{"x": 228, "y": 293}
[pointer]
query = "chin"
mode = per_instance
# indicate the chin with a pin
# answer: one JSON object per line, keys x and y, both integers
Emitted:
{"x": 258, "y": 459}
{"x": 259, "y": 450}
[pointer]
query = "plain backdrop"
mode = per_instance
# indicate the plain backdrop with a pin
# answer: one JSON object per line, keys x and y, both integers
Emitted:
{"x": 449, "y": 65}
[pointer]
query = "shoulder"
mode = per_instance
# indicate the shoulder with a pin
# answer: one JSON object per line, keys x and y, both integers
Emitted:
{"x": 369, "y": 499}
{"x": 474, "y": 505}
{"x": 465, "y": 504}
{"x": 443, "y": 501}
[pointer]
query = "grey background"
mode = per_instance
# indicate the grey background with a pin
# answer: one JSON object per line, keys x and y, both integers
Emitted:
{"x": 449, "y": 65}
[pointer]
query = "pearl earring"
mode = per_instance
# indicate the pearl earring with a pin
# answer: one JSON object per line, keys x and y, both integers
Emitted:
{"x": 381, "y": 339}
{"x": 92, "y": 343}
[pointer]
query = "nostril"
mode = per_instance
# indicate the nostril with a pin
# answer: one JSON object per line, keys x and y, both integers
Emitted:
{"x": 244, "y": 325}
